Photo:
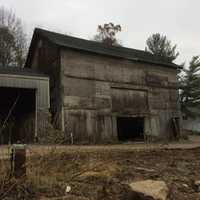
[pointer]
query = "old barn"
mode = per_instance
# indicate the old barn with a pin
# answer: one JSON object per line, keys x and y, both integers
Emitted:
{"x": 104, "y": 93}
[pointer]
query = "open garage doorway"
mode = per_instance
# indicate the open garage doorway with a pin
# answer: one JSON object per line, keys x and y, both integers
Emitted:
{"x": 17, "y": 115}
{"x": 130, "y": 128}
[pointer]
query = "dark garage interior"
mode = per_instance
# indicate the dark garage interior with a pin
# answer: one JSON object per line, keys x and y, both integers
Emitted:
{"x": 130, "y": 128}
{"x": 17, "y": 115}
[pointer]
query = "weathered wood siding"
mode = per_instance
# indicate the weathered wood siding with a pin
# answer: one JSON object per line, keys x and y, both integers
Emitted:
{"x": 98, "y": 88}
{"x": 46, "y": 58}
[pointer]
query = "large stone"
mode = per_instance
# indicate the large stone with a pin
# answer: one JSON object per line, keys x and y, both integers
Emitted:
{"x": 158, "y": 190}
{"x": 196, "y": 186}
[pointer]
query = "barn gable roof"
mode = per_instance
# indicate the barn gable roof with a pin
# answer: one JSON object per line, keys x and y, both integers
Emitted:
{"x": 66, "y": 41}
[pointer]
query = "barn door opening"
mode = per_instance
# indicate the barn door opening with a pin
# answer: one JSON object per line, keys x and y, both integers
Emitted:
{"x": 17, "y": 115}
{"x": 130, "y": 128}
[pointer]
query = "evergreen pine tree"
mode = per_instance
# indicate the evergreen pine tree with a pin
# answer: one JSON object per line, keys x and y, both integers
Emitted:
{"x": 190, "y": 89}
{"x": 159, "y": 45}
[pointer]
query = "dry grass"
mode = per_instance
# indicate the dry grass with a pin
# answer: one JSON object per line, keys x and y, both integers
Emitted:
{"x": 47, "y": 175}
{"x": 98, "y": 175}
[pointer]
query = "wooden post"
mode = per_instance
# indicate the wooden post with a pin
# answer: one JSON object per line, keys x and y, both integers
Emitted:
{"x": 18, "y": 161}
{"x": 36, "y": 116}
{"x": 63, "y": 119}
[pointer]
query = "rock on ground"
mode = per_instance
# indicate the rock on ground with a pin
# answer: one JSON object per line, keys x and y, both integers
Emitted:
{"x": 158, "y": 190}
{"x": 196, "y": 186}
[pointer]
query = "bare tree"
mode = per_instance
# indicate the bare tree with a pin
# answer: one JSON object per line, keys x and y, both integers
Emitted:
{"x": 107, "y": 34}
{"x": 7, "y": 47}
{"x": 13, "y": 46}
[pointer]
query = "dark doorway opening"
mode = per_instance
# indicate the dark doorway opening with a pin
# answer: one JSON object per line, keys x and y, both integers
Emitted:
{"x": 130, "y": 128}
{"x": 17, "y": 115}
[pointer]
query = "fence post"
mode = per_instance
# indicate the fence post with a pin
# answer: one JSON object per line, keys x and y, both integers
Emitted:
{"x": 18, "y": 160}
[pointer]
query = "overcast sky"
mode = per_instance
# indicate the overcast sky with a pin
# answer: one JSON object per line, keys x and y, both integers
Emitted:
{"x": 178, "y": 19}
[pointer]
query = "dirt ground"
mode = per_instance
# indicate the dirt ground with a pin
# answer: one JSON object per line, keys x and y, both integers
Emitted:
{"x": 193, "y": 142}
{"x": 103, "y": 173}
